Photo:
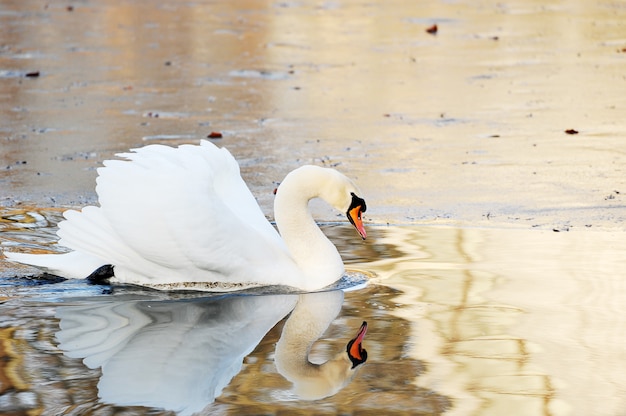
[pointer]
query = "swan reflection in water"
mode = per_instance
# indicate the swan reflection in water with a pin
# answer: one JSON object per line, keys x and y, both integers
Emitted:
{"x": 179, "y": 355}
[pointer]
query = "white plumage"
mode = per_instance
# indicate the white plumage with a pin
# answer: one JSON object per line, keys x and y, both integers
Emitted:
{"x": 184, "y": 218}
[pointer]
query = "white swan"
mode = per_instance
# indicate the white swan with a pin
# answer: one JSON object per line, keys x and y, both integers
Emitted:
{"x": 174, "y": 218}
{"x": 180, "y": 355}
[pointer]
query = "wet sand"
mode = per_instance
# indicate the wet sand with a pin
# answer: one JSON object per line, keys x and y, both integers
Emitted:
{"x": 465, "y": 126}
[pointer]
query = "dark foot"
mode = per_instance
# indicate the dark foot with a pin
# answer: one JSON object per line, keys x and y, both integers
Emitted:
{"x": 101, "y": 274}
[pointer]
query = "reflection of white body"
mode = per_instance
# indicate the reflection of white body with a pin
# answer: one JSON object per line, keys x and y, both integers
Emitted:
{"x": 173, "y": 355}
{"x": 183, "y": 217}
{"x": 179, "y": 355}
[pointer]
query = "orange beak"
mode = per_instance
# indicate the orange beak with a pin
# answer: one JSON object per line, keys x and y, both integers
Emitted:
{"x": 354, "y": 215}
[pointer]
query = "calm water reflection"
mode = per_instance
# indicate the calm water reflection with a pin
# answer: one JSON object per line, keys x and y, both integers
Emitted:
{"x": 461, "y": 322}
{"x": 179, "y": 355}
{"x": 175, "y": 355}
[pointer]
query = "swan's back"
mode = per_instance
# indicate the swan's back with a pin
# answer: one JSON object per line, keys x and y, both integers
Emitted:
{"x": 183, "y": 215}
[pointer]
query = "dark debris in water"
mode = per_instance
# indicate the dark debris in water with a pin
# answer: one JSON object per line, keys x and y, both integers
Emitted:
{"x": 432, "y": 29}
{"x": 7, "y": 73}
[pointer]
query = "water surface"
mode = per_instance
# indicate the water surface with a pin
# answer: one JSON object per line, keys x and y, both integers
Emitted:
{"x": 462, "y": 321}
{"x": 465, "y": 127}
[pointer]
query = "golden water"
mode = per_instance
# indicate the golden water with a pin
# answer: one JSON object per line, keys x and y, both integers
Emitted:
{"x": 462, "y": 321}
{"x": 465, "y": 127}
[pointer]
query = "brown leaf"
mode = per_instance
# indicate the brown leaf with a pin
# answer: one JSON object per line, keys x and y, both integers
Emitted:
{"x": 571, "y": 131}
{"x": 432, "y": 30}
{"x": 214, "y": 135}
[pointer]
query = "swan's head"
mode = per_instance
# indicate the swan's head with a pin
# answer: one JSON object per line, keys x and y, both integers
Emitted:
{"x": 342, "y": 193}
{"x": 330, "y": 185}
{"x": 336, "y": 373}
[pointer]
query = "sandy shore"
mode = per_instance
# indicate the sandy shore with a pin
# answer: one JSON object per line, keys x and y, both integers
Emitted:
{"x": 464, "y": 126}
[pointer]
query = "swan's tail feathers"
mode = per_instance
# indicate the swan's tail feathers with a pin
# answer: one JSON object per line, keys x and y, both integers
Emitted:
{"x": 72, "y": 265}
{"x": 88, "y": 231}
{"x": 82, "y": 228}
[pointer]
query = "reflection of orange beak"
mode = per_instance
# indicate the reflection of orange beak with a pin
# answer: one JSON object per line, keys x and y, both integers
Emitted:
{"x": 354, "y": 215}
{"x": 356, "y": 349}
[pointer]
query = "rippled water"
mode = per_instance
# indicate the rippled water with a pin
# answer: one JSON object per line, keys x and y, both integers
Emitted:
{"x": 463, "y": 127}
{"x": 462, "y": 321}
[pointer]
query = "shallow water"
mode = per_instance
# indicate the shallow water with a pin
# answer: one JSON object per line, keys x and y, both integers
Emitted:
{"x": 463, "y": 127}
{"x": 462, "y": 321}
{"x": 467, "y": 125}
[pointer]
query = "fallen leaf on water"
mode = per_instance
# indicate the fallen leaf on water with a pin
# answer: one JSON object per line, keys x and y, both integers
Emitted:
{"x": 214, "y": 135}
{"x": 432, "y": 30}
{"x": 571, "y": 131}
{"x": 32, "y": 74}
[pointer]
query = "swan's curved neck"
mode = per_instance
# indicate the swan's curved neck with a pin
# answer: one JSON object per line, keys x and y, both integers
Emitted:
{"x": 308, "y": 321}
{"x": 314, "y": 254}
